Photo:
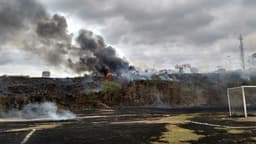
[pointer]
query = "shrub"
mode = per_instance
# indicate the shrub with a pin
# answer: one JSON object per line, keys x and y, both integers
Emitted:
{"x": 111, "y": 86}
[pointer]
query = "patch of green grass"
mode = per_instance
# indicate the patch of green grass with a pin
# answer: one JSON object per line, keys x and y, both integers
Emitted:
{"x": 176, "y": 134}
{"x": 111, "y": 86}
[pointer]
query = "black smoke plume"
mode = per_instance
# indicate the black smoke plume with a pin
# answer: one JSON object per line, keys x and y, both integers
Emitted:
{"x": 96, "y": 56}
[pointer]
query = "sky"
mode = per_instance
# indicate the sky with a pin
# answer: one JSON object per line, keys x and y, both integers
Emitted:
{"x": 146, "y": 33}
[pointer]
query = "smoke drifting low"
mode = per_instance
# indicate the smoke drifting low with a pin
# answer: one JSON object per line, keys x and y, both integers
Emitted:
{"x": 43, "y": 111}
{"x": 26, "y": 25}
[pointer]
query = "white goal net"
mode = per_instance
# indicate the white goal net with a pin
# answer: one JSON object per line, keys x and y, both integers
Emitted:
{"x": 242, "y": 100}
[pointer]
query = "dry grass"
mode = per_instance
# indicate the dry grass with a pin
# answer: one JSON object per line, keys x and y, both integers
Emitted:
{"x": 176, "y": 134}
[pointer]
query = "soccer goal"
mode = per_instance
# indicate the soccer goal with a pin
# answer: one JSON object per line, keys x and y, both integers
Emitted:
{"x": 242, "y": 100}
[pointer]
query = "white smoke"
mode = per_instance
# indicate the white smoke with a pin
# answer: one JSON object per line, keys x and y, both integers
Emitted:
{"x": 42, "y": 111}
{"x": 158, "y": 103}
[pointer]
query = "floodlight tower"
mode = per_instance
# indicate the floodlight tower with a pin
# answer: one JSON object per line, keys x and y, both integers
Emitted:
{"x": 242, "y": 52}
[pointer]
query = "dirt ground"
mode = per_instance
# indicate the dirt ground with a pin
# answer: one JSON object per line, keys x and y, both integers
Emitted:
{"x": 134, "y": 126}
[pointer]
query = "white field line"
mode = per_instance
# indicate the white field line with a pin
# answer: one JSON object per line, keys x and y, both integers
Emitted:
{"x": 28, "y": 136}
{"x": 206, "y": 124}
{"x": 222, "y": 126}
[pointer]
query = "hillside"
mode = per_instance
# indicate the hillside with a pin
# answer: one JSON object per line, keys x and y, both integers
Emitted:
{"x": 185, "y": 90}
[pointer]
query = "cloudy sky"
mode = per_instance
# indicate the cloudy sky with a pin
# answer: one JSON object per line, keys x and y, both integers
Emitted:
{"x": 153, "y": 33}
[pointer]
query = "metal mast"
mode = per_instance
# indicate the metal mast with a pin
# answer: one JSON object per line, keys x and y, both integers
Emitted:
{"x": 242, "y": 52}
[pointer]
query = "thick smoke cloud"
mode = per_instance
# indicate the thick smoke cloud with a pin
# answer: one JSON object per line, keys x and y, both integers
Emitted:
{"x": 52, "y": 28}
{"x": 27, "y": 26}
{"x": 92, "y": 52}
{"x": 96, "y": 56}
{"x": 52, "y": 42}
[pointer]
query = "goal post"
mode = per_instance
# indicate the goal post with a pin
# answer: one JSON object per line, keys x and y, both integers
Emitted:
{"x": 240, "y": 99}
{"x": 237, "y": 101}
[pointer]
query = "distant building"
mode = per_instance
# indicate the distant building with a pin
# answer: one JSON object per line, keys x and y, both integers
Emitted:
{"x": 46, "y": 74}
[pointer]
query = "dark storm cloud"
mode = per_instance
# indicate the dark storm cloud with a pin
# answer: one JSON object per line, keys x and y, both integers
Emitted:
{"x": 16, "y": 15}
{"x": 249, "y": 2}
{"x": 144, "y": 20}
